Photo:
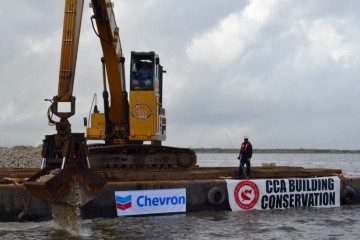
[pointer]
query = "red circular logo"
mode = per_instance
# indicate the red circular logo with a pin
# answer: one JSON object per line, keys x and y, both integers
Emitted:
{"x": 246, "y": 194}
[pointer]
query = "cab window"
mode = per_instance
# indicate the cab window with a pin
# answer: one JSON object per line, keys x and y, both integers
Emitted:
{"x": 142, "y": 74}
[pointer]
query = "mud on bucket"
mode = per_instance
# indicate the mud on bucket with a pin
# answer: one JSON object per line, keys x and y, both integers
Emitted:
{"x": 68, "y": 186}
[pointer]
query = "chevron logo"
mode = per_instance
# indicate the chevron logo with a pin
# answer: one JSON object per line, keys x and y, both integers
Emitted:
{"x": 123, "y": 203}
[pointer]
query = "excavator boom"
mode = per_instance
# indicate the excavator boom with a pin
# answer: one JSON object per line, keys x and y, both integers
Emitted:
{"x": 69, "y": 48}
{"x": 108, "y": 33}
{"x": 66, "y": 176}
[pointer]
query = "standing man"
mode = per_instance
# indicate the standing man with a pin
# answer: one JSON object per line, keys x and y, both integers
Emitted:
{"x": 245, "y": 157}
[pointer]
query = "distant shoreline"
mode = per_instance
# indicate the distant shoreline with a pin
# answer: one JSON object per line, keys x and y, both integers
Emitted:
{"x": 213, "y": 150}
{"x": 279, "y": 151}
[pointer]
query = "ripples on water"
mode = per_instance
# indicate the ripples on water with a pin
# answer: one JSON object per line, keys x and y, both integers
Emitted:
{"x": 333, "y": 223}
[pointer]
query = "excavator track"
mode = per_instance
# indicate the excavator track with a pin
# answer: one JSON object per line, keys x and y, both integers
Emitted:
{"x": 140, "y": 157}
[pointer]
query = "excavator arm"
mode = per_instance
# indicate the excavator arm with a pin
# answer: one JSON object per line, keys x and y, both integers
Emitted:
{"x": 69, "y": 49}
{"x": 117, "y": 111}
{"x": 66, "y": 176}
{"x": 117, "y": 121}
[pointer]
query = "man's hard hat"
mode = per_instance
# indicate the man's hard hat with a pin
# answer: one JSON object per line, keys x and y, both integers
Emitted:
{"x": 246, "y": 137}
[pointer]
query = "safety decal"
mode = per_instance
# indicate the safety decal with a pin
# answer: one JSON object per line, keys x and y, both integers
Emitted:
{"x": 141, "y": 111}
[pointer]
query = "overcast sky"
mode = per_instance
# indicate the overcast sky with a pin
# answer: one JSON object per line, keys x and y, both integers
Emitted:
{"x": 284, "y": 72}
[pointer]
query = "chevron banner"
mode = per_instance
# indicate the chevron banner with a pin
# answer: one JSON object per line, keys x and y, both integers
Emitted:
{"x": 150, "y": 201}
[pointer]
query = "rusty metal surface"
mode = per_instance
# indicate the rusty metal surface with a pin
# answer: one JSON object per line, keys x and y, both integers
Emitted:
{"x": 196, "y": 173}
{"x": 16, "y": 173}
{"x": 78, "y": 186}
{"x": 104, "y": 204}
{"x": 66, "y": 177}
{"x": 201, "y": 173}
{"x": 70, "y": 186}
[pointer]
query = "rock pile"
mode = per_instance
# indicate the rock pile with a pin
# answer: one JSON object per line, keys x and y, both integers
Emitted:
{"x": 20, "y": 156}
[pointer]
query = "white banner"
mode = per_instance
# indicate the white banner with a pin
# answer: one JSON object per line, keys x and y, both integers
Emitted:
{"x": 283, "y": 193}
{"x": 150, "y": 201}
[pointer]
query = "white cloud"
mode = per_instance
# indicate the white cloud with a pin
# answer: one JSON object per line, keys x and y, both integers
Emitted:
{"x": 284, "y": 72}
{"x": 227, "y": 41}
{"x": 38, "y": 46}
{"x": 329, "y": 41}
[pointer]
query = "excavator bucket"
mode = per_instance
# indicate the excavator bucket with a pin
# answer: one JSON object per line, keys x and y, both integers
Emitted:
{"x": 69, "y": 186}
{"x": 68, "y": 181}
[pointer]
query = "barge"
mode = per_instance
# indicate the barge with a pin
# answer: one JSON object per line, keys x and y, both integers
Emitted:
{"x": 206, "y": 189}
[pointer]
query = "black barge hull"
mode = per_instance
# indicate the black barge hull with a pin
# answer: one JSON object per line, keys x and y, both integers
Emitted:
{"x": 17, "y": 204}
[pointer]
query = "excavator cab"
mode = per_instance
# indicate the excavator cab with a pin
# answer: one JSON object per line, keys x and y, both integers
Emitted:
{"x": 144, "y": 71}
{"x": 141, "y": 75}
{"x": 147, "y": 115}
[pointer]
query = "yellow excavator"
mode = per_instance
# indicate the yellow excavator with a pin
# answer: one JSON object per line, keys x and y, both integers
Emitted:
{"x": 68, "y": 162}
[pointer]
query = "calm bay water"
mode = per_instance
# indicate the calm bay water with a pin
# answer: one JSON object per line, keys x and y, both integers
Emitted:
{"x": 334, "y": 223}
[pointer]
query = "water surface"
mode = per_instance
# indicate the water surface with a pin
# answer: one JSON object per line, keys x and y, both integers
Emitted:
{"x": 303, "y": 223}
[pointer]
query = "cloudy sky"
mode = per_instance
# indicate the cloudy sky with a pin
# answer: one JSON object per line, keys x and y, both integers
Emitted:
{"x": 284, "y": 72}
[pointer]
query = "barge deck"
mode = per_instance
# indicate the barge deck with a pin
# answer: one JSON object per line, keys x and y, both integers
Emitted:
{"x": 17, "y": 204}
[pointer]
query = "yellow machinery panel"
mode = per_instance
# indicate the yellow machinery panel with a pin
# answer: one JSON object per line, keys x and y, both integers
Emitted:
{"x": 97, "y": 129}
{"x": 147, "y": 122}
